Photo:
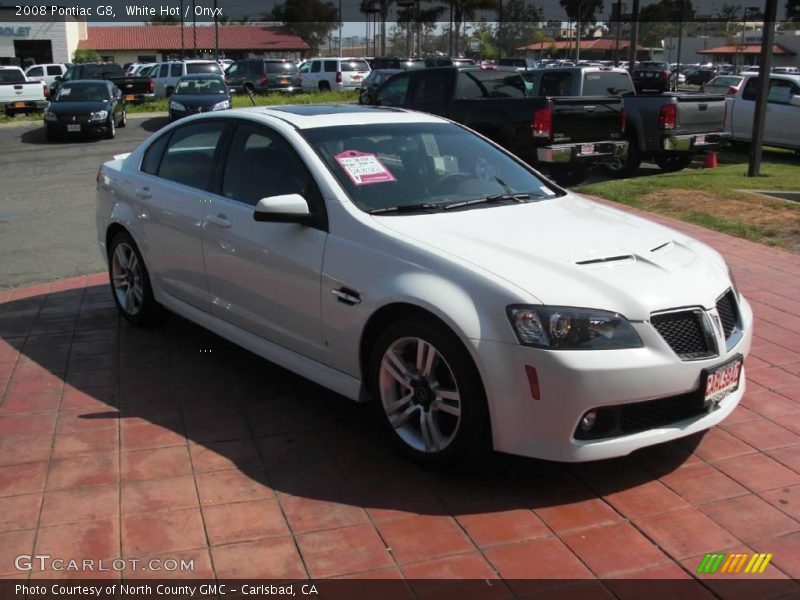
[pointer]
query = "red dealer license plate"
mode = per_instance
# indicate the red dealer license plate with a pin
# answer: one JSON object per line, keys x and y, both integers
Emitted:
{"x": 587, "y": 148}
{"x": 128, "y": 98}
{"x": 722, "y": 380}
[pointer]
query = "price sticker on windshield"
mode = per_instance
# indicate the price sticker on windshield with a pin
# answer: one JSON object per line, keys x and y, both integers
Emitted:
{"x": 363, "y": 168}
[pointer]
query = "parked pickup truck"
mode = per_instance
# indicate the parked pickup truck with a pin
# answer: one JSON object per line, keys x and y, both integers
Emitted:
{"x": 134, "y": 89}
{"x": 783, "y": 111}
{"x": 568, "y": 136}
{"x": 17, "y": 94}
{"x": 666, "y": 128}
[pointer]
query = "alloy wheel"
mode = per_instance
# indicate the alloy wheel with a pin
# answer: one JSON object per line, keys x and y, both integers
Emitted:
{"x": 126, "y": 279}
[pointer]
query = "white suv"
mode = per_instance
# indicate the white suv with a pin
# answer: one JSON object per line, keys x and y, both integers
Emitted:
{"x": 324, "y": 74}
{"x": 46, "y": 72}
{"x": 165, "y": 75}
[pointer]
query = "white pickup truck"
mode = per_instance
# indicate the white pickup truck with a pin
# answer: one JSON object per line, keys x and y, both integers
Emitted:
{"x": 783, "y": 111}
{"x": 17, "y": 94}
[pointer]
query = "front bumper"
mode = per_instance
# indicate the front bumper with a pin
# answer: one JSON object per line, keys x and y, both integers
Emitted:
{"x": 574, "y": 382}
{"x": 574, "y": 153}
{"x": 86, "y": 129}
{"x": 693, "y": 142}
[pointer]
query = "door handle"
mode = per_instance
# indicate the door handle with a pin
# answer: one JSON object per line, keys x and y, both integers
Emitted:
{"x": 143, "y": 192}
{"x": 219, "y": 220}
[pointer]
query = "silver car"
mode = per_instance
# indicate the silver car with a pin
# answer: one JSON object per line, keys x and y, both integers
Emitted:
{"x": 724, "y": 84}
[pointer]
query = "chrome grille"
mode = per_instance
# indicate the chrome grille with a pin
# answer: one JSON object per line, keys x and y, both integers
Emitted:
{"x": 685, "y": 332}
{"x": 728, "y": 313}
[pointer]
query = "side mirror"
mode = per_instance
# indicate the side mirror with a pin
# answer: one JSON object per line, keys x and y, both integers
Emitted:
{"x": 795, "y": 101}
{"x": 58, "y": 78}
{"x": 287, "y": 208}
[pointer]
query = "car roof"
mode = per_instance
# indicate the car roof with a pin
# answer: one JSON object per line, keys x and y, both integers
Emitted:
{"x": 308, "y": 116}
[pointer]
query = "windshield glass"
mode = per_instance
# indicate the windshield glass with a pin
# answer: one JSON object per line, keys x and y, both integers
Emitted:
{"x": 201, "y": 86}
{"x": 400, "y": 164}
{"x": 84, "y": 92}
{"x": 203, "y": 68}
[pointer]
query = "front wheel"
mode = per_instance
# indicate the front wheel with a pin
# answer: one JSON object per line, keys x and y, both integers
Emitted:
{"x": 123, "y": 121}
{"x": 428, "y": 393}
{"x": 130, "y": 281}
{"x": 111, "y": 131}
{"x": 673, "y": 161}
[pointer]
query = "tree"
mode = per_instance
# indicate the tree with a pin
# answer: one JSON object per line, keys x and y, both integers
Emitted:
{"x": 168, "y": 20}
{"x": 486, "y": 35}
{"x": 660, "y": 20}
{"x": 311, "y": 20}
{"x": 793, "y": 10}
{"x": 518, "y": 26}
{"x": 582, "y": 10}
{"x": 83, "y": 56}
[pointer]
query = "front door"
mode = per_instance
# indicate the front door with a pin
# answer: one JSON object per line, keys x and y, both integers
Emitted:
{"x": 265, "y": 277}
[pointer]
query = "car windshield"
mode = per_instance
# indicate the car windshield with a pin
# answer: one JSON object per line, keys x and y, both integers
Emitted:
{"x": 84, "y": 92}
{"x": 395, "y": 165}
{"x": 201, "y": 86}
{"x": 192, "y": 68}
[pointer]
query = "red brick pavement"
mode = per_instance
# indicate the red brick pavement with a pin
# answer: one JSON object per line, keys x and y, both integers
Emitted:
{"x": 118, "y": 442}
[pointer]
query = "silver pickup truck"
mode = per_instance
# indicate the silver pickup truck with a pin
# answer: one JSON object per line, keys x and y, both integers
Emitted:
{"x": 667, "y": 128}
{"x": 17, "y": 94}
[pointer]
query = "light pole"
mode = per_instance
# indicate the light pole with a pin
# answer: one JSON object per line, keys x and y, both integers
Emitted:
{"x": 764, "y": 68}
{"x": 182, "y": 43}
{"x": 340, "y": 27}
{"x": 194, "y": 31}
{"x": 216, "y": 33}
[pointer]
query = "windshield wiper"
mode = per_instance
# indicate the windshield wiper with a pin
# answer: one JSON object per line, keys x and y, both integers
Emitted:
{"x": 406, "y": 208}
{"x": 489, "y": 200}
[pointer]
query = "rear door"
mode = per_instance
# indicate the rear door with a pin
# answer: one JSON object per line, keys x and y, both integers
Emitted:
{"x": 353, "y": 72}
{"x": 171, "y": 193}
{"x": 783, "y": 118}
{"x": 265, "y": 277}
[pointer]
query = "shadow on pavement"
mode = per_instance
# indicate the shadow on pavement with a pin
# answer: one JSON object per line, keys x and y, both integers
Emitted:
{"x": 153, "y": 124}
{"x": 37, "y": 136}
{"x": 177, "y": 382}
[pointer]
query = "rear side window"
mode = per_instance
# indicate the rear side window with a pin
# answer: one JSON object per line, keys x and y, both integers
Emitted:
{"x": 330, "y": 66}
{"x": 176, "y": 70}
{"x": 192, "y": 68}
{"x": 152, "y": 156}
{"x": 54, "y": 70}
{"x": 189, "y": 157}
{"x": 281, "y": 67}
{"x": 501, "y": 85}
{"x": 355, "y": 65}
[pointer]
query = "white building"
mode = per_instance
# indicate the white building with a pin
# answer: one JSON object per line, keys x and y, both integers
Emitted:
{"x": 54, "y": 40}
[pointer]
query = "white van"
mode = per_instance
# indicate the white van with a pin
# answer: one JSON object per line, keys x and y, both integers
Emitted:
{"x": 45, "y": 72}
{"x": 335, "y": 73}
{"x": 165, "y": 75}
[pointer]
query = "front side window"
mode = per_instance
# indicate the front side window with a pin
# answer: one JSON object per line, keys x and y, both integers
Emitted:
{"x": 393, "y": 92}
{"x": 399, "y": 164}
{"x": 164, "y": 70}
{"x": 189, "y": 157}
{"x": 260, "y": 164}
{"x": 315, "y": 66}
{"x": 430, "y": 88}
{"x": 36, "y": 72}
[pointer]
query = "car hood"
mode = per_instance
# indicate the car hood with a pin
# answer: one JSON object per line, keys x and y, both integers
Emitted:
{"x": 570, "y": 251}
{"x": 77, "y": 108}
{"x": 203, "y": 100}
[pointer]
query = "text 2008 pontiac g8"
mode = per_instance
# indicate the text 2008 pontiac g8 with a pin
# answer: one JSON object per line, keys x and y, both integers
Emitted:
{"x": 398, "y": 257}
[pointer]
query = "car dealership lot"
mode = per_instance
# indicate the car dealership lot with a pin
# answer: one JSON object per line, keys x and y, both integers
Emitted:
{"x": 47, "y": 215}
{"x": 117, "y": 442}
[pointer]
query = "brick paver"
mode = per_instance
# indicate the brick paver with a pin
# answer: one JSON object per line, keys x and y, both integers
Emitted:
{"x": 117, "y": 442}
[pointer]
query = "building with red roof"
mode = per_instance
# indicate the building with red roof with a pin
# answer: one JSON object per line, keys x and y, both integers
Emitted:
{"x": 591, "y": 49}
{"x": 151, "y": 43}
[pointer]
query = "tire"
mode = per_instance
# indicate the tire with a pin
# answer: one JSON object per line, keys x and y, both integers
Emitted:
{"x": 138, "y": 308}
{"x": 457, "y": 426}
{"x": 124, "y": 120}
{"x": 569, "y": 175}
{"x": 169, "y": 91}
{"x": 324, "y": 86}
{"x": 628, "y": 166}
{"x": 673, "y": 161}
{"x": 111, "y": 132}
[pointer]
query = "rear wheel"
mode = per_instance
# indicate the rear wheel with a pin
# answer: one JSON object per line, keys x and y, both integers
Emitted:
{"x": 428, "y": 393}
{"x": 324, "y": 86}
{"x": 626, "y": 166}
{"x": 673, "y": 161}
{"x": 130, "y": 281}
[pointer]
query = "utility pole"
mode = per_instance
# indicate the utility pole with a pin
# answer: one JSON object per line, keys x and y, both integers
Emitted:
{"x": 680, "y": 42}
{"x": 183, "y": 50}
{"x": 578, "y": 35}
{"x": 216, "y": 33}
{"x": 764, "y": 69}
{"x": 634, "y": 35}
{"x": 340, "y": 27}
{"x": 194, "y": 30}
{"x": 618, "y": 33}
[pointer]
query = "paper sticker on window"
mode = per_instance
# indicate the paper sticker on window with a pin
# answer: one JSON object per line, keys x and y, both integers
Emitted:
{"x": 363, "y": 168}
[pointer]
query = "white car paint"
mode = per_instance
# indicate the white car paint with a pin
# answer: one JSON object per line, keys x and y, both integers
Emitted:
{"x": 783, "y": 111}
{"x": 466, "y": 268}
{"x": 329, "y": 70}
{"x": 45, "y": 72}
{"x": 165, "y": 75}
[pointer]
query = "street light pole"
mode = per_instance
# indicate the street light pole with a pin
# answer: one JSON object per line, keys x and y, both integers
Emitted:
{"x": 194, "y": 30}
{"x": 634, "y": 35}
{"x": 216, "y": 33}
{"x": 340, "y": 27}
{"x": 764, "y": 69}
{"x": 182, "y": 43}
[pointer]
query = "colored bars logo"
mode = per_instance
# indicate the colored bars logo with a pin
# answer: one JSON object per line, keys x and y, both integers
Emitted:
{"x": 719, "y": 562}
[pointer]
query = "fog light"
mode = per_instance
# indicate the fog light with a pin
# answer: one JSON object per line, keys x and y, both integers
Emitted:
{"x": 588, "y": 420}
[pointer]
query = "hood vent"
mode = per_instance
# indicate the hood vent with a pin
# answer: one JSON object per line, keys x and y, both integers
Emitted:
{"x": 663, "y": 246}
{"x": 607, "y": 259}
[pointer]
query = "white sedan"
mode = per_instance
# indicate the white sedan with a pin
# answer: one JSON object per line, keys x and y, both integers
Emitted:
{"x": 398, "y": 257}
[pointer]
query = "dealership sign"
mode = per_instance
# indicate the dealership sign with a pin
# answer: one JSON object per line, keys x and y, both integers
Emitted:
{"x": 15, "y": 31}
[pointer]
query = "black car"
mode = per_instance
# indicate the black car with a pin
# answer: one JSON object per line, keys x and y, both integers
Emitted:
{"x": 700, "y": 76}
{"x": 263, "y": 75}
{"x": 372, "y": 82}
{"x": 650, "y": 76}
{"x": 198, "y": 94}
{"x": 89, "y": 108}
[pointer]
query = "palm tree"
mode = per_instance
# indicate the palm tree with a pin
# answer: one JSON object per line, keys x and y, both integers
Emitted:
{"x": 464, "y": 10}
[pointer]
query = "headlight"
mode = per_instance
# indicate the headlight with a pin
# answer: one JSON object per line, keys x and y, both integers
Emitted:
{"x": 221, "y": 105}
{"x": 569, "y": 328}
{"x": 100, "y": 115}
{"x": 176, "y": 105}
{"x": 51, "y": 117}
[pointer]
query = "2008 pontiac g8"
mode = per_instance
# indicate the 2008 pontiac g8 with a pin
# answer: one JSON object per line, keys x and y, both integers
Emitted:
{"x": 398, "y": 257}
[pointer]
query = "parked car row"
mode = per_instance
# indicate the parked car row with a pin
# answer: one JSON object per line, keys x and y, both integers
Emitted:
{"x": 18, "y": 94}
